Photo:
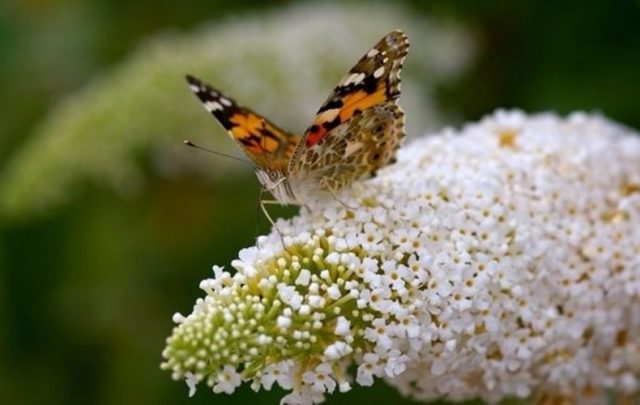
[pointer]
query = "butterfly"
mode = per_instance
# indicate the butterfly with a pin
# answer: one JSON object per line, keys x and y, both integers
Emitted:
{"x": 356, "y": 131}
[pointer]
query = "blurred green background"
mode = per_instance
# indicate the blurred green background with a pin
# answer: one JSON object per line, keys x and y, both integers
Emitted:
{"x": 103, "y": 236}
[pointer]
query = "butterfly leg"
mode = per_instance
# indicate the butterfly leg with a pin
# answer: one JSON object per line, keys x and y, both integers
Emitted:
{"x": 258, "y": 214}
{"x": 263, "y": 206}
{"x": 330, "y": 189}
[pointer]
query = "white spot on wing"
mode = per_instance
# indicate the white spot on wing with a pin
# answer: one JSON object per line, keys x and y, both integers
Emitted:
{"x": 329, "y": 115}
{"x": 213, "y": 106}
{"x": 372, "y": 53}
{"x": 354, "y": 78}
{"x": 378, "y": 72}
{"x": 225, "y": 101}
{"x": 352, "y": 147}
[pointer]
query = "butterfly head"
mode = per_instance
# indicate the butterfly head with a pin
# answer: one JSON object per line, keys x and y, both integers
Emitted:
{"x": 275, "y": 181}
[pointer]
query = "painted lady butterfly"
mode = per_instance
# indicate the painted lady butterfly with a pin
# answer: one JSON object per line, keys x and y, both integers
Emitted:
{"x": 355, "y": 132}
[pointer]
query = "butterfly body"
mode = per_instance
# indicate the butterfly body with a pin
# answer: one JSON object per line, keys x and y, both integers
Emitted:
{"x": 355, "y": 132}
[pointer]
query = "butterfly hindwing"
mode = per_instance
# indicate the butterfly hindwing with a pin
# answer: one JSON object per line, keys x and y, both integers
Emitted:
{"x": 267, "y": 145}
{"x": 352, "y": 151}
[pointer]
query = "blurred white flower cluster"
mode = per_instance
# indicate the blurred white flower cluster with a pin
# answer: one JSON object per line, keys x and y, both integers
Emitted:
{"x": 496, "y": 261}
{"x": 282, "y": 63}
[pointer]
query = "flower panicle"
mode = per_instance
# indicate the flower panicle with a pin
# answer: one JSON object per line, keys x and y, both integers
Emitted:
{"x": 499, "y": 262}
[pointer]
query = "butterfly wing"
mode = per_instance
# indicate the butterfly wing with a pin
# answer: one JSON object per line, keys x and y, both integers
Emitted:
{"x": 267, "y": 145}
{"x": 360, "y": 126}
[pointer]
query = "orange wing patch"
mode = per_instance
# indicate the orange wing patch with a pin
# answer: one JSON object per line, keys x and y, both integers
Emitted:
{"x": 353, "y": 103}
{"x": 361, "y": 101}
{"x": 263, "y": 142}
{"x": 245, "y": 124}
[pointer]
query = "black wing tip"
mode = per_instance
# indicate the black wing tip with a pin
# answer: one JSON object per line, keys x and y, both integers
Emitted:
{"x": 192, "y": 79}
{"x": 200, "y": 87}
{"x": 399, "y": 34}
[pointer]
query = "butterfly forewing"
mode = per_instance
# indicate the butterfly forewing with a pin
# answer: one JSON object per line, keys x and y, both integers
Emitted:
{"x": 360, "y": 126}
{"x": 266, "y": 144}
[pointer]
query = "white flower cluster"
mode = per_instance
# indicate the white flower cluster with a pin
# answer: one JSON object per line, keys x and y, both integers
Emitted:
{"x": 501, "y": 260}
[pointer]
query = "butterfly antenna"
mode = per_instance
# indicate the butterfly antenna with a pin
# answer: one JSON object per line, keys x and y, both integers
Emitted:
{"x": 196, "y": 146}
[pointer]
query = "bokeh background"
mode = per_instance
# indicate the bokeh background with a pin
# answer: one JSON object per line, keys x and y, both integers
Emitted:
{"x": 107, "y": 223}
